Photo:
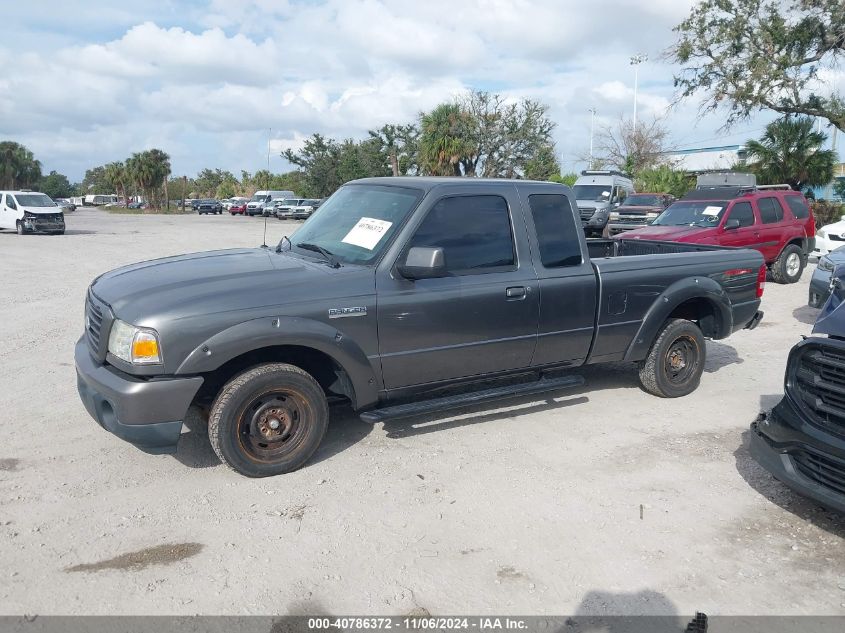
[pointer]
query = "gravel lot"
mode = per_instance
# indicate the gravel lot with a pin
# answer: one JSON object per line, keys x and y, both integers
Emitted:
{"x": 603, "y": 500}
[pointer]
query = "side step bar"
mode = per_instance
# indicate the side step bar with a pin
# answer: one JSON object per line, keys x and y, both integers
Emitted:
{"x": 446, "y": 403}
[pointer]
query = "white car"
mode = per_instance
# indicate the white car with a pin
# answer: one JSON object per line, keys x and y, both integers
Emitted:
{"x": 30, "y": 212}
{"x": 829, "y": 238}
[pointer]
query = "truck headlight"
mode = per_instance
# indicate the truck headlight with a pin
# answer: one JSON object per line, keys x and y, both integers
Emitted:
{"x": 825, "y": 264}
{"x": 614, "y": 215}
{"x": 135, "y": 345}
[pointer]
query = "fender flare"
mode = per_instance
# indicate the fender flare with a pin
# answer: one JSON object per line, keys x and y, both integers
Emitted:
{"x": 679, "y": 292}
{"x": 272, "y": 331}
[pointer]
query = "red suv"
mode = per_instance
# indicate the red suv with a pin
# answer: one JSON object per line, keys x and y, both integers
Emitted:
{"x": 777, "y": 222}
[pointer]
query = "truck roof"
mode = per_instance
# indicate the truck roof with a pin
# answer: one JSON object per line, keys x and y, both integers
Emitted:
{"x": 430, "y": 182}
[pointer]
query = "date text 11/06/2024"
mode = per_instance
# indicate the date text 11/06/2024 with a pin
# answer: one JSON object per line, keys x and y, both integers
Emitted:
{"x": 418, "y": 623}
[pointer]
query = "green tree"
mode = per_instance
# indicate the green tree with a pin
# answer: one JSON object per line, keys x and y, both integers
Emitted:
{"x": 746, "y": 55}
{"x": 664, "y": 179}
{"x": 400, "y": 143}
{"x": 95, "y": 181}
{"x": 56, "y": 185}
{"x": 149, "y": 170}
{"x": 790, "y": 151}
{"x": 543, "y": 165}
{"x": 446, "y": 141}
{"x": 18, "y": 167}
{"x": 208, "y": 181}
{"x": 839, "y": 188}
{"x": 115, "y": 175}
{"x": 565, "y": 179}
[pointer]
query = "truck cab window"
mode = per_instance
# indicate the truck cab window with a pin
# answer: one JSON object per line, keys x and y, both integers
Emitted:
{"x": 557, "y": 235}
{"x": 742, "y": 211}
{"x": 473, "y": 231}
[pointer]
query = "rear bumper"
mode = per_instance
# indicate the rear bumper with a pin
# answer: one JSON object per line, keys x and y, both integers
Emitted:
{"x": 146, "y": 413}
{"x": 803, "y": 457}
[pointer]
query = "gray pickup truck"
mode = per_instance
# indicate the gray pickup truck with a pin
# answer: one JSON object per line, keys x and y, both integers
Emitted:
{"x": 395, "y": 289}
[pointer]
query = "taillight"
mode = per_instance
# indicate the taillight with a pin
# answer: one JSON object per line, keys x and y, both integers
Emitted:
{"x": 761, "y": 280}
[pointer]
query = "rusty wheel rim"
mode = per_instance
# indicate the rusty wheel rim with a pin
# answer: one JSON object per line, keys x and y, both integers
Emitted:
{"x": 273, "y": 424}
{"x": 681, "y": 360}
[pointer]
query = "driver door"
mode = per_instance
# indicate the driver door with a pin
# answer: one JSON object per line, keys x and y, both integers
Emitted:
{"x": 748, "y": 233}
{"x": 8, "y": 212}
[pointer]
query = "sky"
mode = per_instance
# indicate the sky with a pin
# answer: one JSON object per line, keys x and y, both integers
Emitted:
{"x": 214, "y": 82}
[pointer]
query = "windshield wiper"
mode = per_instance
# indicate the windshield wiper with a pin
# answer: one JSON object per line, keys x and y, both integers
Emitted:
{"x": 282, "y": 241}
{"x": 308, "y": 246}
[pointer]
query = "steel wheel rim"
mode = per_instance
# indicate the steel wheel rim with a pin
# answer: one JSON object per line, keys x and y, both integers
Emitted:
{"x": 273, "y": 425}
{"x": 681, "y": 360}
{"x": 793, "y": 264}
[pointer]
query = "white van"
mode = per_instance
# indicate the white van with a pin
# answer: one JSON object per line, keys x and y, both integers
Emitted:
{"x": 30, "y": 212}
{"x": 597, "y": 193}
{"x": 260, "y": 199}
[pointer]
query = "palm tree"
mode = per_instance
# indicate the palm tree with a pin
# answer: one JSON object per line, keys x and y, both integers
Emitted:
{"x": 791, "y": 152}
{"x": 149, "y": 170}
{"x": 116, "y": 175}
{"x": 18, "y": 167}
{"x": 443, "y": 141}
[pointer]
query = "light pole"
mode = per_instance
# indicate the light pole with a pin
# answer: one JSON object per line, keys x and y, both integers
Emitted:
{"x": 592, "y": 112}
{"x": 636, "y": 60}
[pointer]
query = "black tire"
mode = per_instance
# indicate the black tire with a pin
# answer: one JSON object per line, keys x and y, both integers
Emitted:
{"x": 19, "y": 227}
{"x": 240, "y": 425}
{"x": 675, "y": 361}
{"x": 789, "y": 265}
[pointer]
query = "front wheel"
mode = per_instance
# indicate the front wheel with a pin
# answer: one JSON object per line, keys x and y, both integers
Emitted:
{"x": 675, "y": 361}
{"x": 19, "y": 227}
{"x": 789, "y": 265}
{"x": 268, "y": 420}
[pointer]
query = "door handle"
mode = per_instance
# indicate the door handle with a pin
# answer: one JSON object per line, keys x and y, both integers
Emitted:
{"x": 515, "y": 292}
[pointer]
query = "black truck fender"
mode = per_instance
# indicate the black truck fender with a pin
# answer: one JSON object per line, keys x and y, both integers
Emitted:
{"x": 690, "y": 289}
{"x": 295, "y": 331}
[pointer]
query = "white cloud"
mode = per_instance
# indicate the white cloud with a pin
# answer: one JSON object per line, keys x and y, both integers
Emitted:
{"x": 205, "y": 80}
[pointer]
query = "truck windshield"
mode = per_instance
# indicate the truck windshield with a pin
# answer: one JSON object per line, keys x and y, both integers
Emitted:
{"x": 357, "y": 222}
{"x": 261, "y": 198}
{"x": 592, "y": 192}
{"x": 642, "y": 200}
{"x": 692, "y": 213}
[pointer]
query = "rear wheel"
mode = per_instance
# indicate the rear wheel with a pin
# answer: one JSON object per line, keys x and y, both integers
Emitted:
{"x": 789, "y": 265}
{"x": 268, "y": 420}
{"x": 675, "y": 362}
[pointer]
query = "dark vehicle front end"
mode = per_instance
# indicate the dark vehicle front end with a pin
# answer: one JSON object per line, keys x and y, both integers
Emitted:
{"x": 802, "y": 441}
{"x": 209, "y": 206}
{"x": 820, "y": 281}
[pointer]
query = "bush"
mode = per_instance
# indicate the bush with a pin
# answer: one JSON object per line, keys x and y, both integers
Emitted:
{"x": 827, "y": 212}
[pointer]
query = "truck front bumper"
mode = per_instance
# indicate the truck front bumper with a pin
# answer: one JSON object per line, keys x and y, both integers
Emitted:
{"x": 800, "y": 455}
{"x": 145, "y": 412}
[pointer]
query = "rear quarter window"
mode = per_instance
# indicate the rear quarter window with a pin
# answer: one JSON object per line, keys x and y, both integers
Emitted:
{"x": 798, "y": 207}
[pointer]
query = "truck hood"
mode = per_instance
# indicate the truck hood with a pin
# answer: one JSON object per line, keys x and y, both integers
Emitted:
{"x": 669, "y": 233}
{"x": 40, "y": 210}
{"x": 623, "y": 210}
{"x": 215, "y": 281}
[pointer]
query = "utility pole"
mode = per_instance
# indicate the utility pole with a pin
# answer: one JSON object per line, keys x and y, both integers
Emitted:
{"x": 636, "y": 60}
{"x": 269, "y": 135}
{"x": 592, "y": 112}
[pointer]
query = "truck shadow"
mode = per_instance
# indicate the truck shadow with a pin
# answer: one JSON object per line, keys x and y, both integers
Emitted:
{"x": 806, "y": 314}
{"x": 766, "y": 485}
{"x": 720, "y": 355}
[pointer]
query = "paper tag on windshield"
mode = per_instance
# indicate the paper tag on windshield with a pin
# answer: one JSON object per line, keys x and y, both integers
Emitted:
{"x": 711, "y": 210}
{"x": 367, "y": 233}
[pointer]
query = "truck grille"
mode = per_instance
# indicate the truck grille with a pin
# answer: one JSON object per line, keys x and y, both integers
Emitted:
{"x": 633, "y": 219}
{"x": 820, "y": 385}
{"x": 98, "y": 320}
{"x": 823, "y": 470}
{"x": 586, "y": 213}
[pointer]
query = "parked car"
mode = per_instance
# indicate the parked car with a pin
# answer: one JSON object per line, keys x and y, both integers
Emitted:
{"x": 65, "y": 205}
{"x": 830, "y": 237}
{"x": 136, "y": 205}
{"x": 30, "y": 212}
{"x": 305, "y": 208}
{"x": 820, "y": 281}
{"x": 238, "y": 206}
{"x": 209, "y": 206}
{"x": 260, "y": 199}
{"x": 284, "y": 208}
{"x": 802, "y": 440}
{"x": 638, "y": 210}
{"x": 398, "y": 288}
{"x": 597, "y": 193}
{"x": 776, "y": 222}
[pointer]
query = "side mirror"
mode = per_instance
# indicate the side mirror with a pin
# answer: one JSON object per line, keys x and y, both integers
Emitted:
{"x": 731, "y": 224}
{"x": 423, "y": 262}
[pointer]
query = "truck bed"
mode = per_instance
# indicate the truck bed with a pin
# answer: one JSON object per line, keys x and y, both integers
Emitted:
{"x": 602, "y": 247}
